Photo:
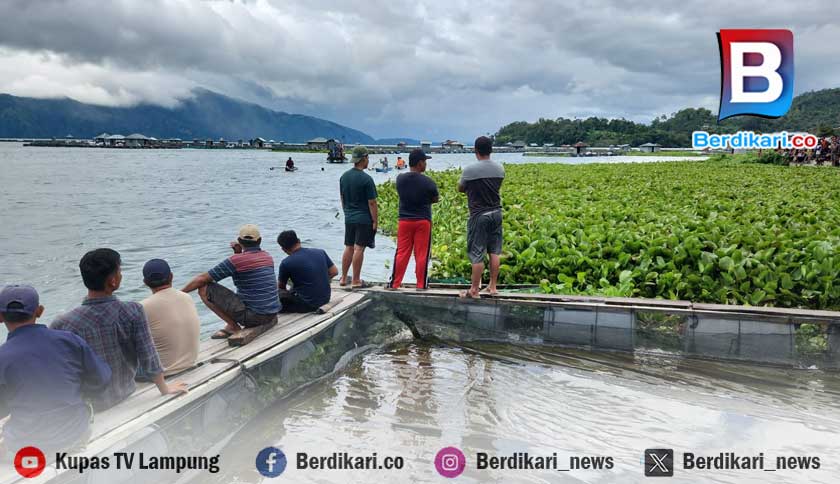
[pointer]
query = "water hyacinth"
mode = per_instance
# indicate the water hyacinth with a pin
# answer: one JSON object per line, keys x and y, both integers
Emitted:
{"x": 702, "y": 231}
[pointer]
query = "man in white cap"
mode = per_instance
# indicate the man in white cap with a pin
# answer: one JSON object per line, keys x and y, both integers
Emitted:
{"x": 256, "y": 301}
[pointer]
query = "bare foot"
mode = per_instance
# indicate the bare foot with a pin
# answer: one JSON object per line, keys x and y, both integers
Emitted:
{"x": 470, "y": 294}
{"x": 342, "y": 282}
{"x": 491, "y": 291}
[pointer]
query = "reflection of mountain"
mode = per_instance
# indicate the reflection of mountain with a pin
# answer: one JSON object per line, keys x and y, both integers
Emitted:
{"x": 205, "y": 115}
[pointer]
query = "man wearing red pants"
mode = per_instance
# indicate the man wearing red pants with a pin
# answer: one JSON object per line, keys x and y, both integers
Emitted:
{"x": 414, "y": 234}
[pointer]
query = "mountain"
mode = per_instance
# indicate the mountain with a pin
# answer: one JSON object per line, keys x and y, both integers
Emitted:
{"x": 816, "y": 112}
{"x": 204, "y": 115}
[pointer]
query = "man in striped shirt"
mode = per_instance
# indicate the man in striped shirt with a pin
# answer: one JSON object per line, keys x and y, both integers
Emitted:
{"x": 256, "y": 300}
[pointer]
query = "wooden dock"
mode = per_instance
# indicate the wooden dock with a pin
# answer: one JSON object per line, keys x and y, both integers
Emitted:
{"x": 218, "y": 363}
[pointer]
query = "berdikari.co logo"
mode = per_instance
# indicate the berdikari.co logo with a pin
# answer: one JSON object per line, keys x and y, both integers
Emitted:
{"x": 756, "y": 72}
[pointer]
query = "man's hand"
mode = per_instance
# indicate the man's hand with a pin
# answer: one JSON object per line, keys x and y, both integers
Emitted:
{"x": 175, "y": 388}
{"x": 236, "y": 246}
{"x": 169, "y": 388}
{"x": 375, "y": 226}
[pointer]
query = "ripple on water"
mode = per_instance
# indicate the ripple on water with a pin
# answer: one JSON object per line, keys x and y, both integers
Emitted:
{"x": 416, "y": 398}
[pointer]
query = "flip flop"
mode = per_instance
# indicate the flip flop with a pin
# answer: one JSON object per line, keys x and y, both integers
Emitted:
{"x": 222, "y": 334}
{"x": 468, "y": 295}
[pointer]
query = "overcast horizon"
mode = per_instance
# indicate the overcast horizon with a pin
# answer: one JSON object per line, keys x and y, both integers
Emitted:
{"x": 421, "y": 69}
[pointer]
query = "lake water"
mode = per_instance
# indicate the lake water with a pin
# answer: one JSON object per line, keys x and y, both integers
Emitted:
{"x": 184, "y": 206}
{"x": 414, "y": 399}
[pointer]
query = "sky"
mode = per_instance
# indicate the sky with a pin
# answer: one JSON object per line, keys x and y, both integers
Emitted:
{"x": 424, "y": 69}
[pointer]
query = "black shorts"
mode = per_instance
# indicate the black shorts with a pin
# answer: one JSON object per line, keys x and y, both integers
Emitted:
{"x": 359, "y": 234}
{"x": 230, "y": 303}
{"x": 484, "y": 235}
{"x": 292, "y": 303}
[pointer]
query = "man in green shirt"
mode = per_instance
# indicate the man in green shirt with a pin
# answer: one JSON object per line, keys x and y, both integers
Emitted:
{"x": 358, "y": 199}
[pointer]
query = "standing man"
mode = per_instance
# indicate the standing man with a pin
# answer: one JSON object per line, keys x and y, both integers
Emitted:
{"x": 358, "y": 200}
{"x": 256, "y": 301}
{"x": 414, "y": 233}
{"x": 481, "y": 181}
{"x": 173, "y": 319}
{"x": 44, "y": 375}
{"x": 310, "y": 271}
{"x": 117, "y": 331}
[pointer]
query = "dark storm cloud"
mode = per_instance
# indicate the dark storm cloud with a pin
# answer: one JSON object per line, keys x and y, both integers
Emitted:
{"x": 431, "y": 69}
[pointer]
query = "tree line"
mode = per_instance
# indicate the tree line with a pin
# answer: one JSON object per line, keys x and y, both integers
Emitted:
{"x": 816, "y": 112}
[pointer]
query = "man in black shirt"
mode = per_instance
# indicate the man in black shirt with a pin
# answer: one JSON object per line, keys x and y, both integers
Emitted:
{"x": 482, "y": 181}
{"x": 414, "y": 233}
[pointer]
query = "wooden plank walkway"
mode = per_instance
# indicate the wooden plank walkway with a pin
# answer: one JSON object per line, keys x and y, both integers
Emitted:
{"x": 218, "y": 363}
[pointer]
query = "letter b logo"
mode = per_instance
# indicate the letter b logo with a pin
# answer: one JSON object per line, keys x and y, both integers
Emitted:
{"x": 756, "y": 72}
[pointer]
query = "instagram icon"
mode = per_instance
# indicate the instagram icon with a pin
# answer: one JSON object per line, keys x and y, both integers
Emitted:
{"x": 450, "y": 462}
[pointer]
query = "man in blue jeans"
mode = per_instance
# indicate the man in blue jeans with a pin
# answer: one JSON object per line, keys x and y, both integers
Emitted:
{"x": 44, "y": 376}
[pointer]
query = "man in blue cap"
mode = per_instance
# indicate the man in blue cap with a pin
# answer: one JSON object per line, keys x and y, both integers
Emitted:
{"x": 173, "y": 319}
{"x": 44, "y": 375}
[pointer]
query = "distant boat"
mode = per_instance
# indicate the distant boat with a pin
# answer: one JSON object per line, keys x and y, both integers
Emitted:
{"x": 383, "y": 170}
{"x": 293, "y": 168}
{"x": 335, "y": 152}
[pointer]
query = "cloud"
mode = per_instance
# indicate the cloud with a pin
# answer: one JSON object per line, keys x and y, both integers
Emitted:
{"x": 425, "y": 68}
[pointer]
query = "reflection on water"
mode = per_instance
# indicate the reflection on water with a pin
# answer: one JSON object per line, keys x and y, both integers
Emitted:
{"x": 413, "y": 399}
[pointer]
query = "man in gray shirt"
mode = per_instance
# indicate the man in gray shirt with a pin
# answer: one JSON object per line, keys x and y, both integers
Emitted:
{"x": 482, "y": 181}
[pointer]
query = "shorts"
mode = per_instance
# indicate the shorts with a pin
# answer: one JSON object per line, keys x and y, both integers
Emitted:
{"x": 484, "y": 235}
{"x": 359, "y": 234}
{"x": 230, "y": 303}
{"x": 292, "y": 303}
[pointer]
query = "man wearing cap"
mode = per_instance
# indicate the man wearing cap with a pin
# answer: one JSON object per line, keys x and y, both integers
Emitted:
{"x": 44, "y": 376}
{"x": 482, "y": 181}
{"x": 173, "y": 319}
{"x": 256, "y": 301}
{"x": 417, "y": 193}
{"x": 358, "y": 200}
{"x": 117, "y": 331}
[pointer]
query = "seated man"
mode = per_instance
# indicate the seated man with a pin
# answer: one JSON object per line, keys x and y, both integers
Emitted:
{"x": 310, "y": 271}
{"x": 116, "y": 331}
{"x": 44, "y": 374}
{"x": 256, "y": 301}
{"x": 173, "y": 319}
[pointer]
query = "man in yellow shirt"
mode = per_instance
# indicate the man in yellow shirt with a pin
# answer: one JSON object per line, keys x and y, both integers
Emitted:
{"x": 173, "y": 319}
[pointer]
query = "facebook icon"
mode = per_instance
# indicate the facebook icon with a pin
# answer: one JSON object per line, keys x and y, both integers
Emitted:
{"x": 271, "y": 462}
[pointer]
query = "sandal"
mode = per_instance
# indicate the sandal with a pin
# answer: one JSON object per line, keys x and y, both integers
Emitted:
{"x": 222, "y": 334}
